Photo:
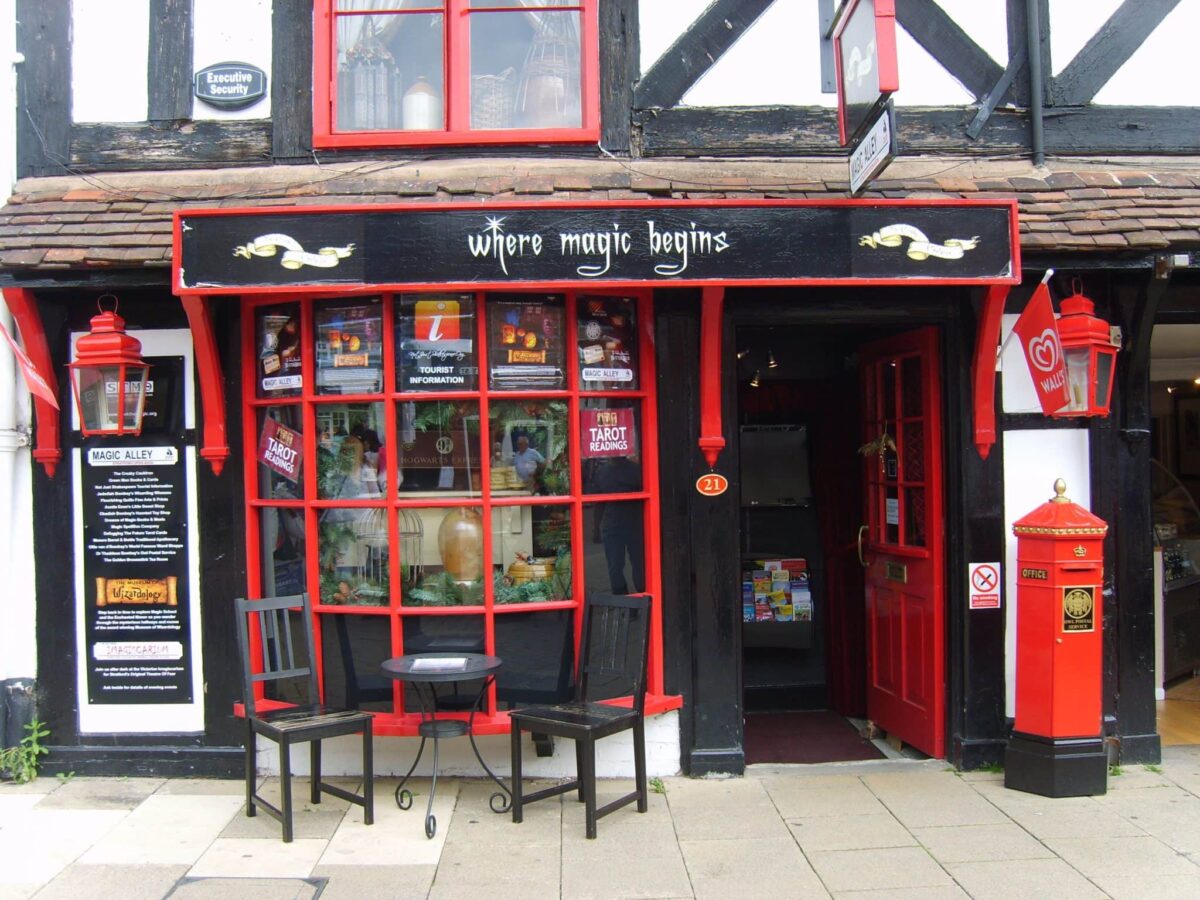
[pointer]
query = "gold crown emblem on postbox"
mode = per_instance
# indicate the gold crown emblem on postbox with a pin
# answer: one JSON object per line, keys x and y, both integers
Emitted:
{"x": 1081, "y": 550}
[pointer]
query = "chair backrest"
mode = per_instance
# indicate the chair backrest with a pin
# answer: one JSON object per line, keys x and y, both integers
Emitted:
{"x": 615, "y": 642}
{"x": 278, "y": 634}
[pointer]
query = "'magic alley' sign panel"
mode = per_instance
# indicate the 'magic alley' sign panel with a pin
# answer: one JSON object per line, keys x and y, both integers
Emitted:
{"x": 603, "y": 243}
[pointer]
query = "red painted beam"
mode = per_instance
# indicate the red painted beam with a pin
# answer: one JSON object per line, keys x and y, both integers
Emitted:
{"x": 212, "y": 385}
{"x": 984, "y": 368}
{"x": 48, "y": 446}
{"x": 712, "y": 310}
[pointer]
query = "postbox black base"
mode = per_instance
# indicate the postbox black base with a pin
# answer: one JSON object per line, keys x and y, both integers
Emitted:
{"x": 1056, "y": 767}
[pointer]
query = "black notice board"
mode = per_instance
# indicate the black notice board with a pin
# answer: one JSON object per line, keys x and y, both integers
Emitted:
{"x": 135, "y": 554}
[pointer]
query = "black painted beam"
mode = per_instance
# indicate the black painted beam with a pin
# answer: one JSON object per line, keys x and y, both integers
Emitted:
{"x": 696, "y": 51}
{"x": 169, "y": 61}
{"x": 142, "y": 146}
{"x": 1109, "y": 49}
{"x": 43, "y": 87}
{"x": 933, "y": 29}
{"x": 291, "y": 80}
{"x": 619, "y": 51}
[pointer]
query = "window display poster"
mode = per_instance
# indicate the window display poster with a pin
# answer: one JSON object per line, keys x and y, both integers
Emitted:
{"x": 607, "y": 432}
{"x": 349, "y": 348}
{"x": 525, "y": 346}
{"x": 135, "y": 566}
{"x": 280, "y": 449}
{"x": 279, "y": 351}
{"x": 607, "y": 343}
{"x": 435, "y": 334}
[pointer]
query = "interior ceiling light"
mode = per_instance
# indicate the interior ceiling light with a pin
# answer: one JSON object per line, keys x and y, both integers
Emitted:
{"x": 772, "y": 363}
{"x": 756, "y": 379}
{"x": 742, "y": 354}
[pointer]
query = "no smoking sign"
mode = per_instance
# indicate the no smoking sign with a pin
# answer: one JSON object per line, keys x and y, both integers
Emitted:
{"x": 983, "y": 585}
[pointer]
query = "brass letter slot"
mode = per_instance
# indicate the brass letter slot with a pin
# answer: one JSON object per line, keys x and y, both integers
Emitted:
{"x": 895, "y": 572}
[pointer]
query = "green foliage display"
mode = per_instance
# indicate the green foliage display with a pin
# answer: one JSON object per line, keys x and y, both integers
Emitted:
{"x": 20, "y": 763}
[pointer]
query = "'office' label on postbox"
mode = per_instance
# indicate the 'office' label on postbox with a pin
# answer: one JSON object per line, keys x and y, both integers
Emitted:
{"x": 1079, "y": 608}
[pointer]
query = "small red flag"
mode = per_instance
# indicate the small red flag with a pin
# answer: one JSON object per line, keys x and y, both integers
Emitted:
{"x": 1038, "y": 333}
{"x": 37, "y": 384}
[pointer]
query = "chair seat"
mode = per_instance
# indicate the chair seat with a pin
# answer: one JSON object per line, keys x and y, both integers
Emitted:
{"x": 319, "y": 716}
{"x": 579, "y": 716}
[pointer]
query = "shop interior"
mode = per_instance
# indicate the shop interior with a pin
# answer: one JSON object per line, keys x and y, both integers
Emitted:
{"x": 803, "y": 624}
{"x": 1175, "y": 487}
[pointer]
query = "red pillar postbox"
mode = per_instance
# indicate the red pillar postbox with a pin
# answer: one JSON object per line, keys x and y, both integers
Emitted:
{"x": 1057, "y": 746}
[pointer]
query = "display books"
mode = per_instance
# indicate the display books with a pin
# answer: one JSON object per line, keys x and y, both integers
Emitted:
{"x": 349, "y": 348}
{"x": 525, "y": 346}
{"x": 607, "y": 340}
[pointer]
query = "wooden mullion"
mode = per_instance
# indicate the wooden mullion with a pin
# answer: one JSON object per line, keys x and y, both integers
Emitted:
{"x": 696, "y": 51}
{"x": 291, "y": 80}
{"x": 619, "y": 51}
{"x": 43, "y": 87}
{"x": 930, "y": 26}
{"x": 169, "y": 61}
{"x": 1109, "y": 49}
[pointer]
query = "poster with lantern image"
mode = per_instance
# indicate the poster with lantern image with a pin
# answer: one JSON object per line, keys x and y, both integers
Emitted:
{"x": 525, "y": 345}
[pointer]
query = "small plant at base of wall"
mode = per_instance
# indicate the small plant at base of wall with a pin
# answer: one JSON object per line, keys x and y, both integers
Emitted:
{"x": 20, "y": 763}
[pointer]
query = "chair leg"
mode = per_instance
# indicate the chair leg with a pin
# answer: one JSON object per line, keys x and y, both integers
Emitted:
{"x": 314, "y": 751}
{"x": 639, "y": 764}
{"x": 368, "y": 776}
{"x": 579, "y": 764}
{"x": 251, "y": 770}
{"x": 285, "y": 788}
{"x": 587, "y": 775}
{"x": 518, "y": 813}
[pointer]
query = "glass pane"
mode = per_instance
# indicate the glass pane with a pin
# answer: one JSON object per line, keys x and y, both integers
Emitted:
{"x": 280, "y": 453}
{"x": 529, "y": 445}
{"x": 277, "y": 339}
{"x": 353, "y": 554}
{"x": 351, "y": 457}
{"x": 281, "y": 535}
{"x": 352, "y": 649}
{"x": 349, "y": 339}
{"x": 435, "y": 334}
{"x": 914, "y": 452}
{"x": 615, "y": 554}
{"x": 1077, "y": 359}
{"x": 441, "y": 556}
{"x": 548, "y": 87}
{"x": 439, "y": 447}
{"x": 538, "y": 649}
{"x": 891, "y": 516}
{"x": 531, "y": 553}
{"x": 889, "y": 389}
{"x": 443, "y": 634}
{"x": 1104, "y": 364}
{"x": 914, "y": 517}
{"x": 610, "y": 446}
{"x": 910, "y": 377}
{"x": 607, "y": 343}
{"x": 389, "y": 71}
{"x": 525, "y": 344}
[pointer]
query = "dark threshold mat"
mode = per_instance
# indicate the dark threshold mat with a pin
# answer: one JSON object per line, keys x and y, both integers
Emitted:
{"x": 816, "y": 736}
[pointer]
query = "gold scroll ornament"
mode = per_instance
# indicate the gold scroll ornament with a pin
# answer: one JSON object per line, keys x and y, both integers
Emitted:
{"x": 137, "y": 591}
{"x": 294, "y": 255}
{"x": 921, "y": 247}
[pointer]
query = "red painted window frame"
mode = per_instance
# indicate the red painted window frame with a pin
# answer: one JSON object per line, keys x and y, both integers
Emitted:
{"x": 403, "y": 721}
{"x": 456, "y": 78}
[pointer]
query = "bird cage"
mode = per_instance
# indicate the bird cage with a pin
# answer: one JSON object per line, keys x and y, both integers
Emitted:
{"x": 548, "y": 95}
{"x": 412, "y": 536}
{"x": 368, "y": 86}
{"x": 492, "y": 99}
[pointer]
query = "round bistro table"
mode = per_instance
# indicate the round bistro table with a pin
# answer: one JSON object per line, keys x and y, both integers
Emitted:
{"x": 425, "y": 672}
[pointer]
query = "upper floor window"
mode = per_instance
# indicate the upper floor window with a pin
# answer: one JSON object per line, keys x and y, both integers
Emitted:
{"x": 422, "y": 72}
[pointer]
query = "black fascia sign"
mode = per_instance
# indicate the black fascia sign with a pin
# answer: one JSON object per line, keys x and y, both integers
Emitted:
{"x": 230, "y": 85}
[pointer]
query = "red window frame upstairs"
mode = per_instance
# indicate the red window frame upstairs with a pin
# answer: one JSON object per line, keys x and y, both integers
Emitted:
{"x": 456, "y": 75}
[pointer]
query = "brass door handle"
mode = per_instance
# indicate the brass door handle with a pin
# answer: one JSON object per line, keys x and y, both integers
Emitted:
{"x": 861, "y": 560}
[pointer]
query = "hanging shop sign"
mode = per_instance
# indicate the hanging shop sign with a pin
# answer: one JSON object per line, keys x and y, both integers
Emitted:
{"x": 876, "y": 149}
{"x": 230, "y": 85}
{"x": 136, "y": 559}
{"x": 864, "y": 46}
{"x": 672, "y": 242}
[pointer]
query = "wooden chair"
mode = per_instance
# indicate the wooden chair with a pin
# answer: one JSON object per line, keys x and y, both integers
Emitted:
{"x": 289, "y": 723}
{"x": 616, "y": 635}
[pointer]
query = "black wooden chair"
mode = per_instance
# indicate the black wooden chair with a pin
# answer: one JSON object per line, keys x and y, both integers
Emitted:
{"x": 616, "y": 635}
{"x": 289, "y": 723}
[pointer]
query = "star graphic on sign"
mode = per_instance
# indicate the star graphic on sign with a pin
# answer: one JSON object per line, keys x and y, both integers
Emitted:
{"x": 495, "y": 224}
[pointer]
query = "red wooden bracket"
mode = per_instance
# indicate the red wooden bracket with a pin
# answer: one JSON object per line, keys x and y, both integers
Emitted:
{"x": 712, "y": 311}
{"x": 48, "y": 447}
{"x": 212, "y": 386}
{"x": 984, "y": 369}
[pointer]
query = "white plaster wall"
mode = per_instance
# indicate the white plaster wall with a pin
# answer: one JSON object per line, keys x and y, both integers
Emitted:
{"x": 393, "y": 755}
{"x": 1016, "y": 384}
{"x": 8, "y": 96}
{"x": 110, "y": 40}
{"x": 232, "y": 31}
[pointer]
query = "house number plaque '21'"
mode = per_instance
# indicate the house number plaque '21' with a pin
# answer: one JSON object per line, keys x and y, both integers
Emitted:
{"x": 712, "y": 484}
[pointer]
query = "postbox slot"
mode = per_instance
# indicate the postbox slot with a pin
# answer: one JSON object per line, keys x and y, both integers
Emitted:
{"x": 1081, "y": 568}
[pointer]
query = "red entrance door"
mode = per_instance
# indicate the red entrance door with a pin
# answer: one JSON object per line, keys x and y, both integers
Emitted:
{"x": 902, "y": 544}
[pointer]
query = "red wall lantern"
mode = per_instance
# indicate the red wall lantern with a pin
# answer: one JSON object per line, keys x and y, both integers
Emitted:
{"x": 108, "y": 378}
{"x": 1090, "y": 354}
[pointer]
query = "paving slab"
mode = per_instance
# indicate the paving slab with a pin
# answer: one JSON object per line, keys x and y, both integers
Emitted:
{"x": 926, "y": 799}
{"x": 1143, "y": 855}
{"x": 801, "y": 798}
{"x": 850, "y": 833}
{"x": 258, "y": 857}
{"x": 83, "y": 882}
{"x": 1028, "y": 879}
{"x": 36, "y": 847}
{"x": 1049, "y": 822}
{"x": 306, "y": 823}
{"x": 165, "y": 830}
{"x": 233, "y": 786}
{"x": 241, "y": 888}
{"x": 980, "y": 843}
{"x": 706, "y": 809}
{"x": 1159, "y": 887}
{"x": 397, "y": 836}
{"x": 893, "y": 868}
{"x": 941, "y": 892}
{"x": 359, "y": 882}
{"x": 749, "y": 868}
{"x": 102, "y": 793}
{"x": 637, "y": 876}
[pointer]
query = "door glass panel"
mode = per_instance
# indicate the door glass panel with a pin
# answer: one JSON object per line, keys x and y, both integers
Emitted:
{"x": 889, "y": 389}
{"x": 910, "y": 380}
{"x": 914, "y": 517}
{"x": 914, "y": 451}
{"x": 891, "y": 515}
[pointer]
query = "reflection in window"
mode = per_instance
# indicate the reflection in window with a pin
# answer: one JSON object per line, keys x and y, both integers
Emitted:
{"x": 439, "y": 446}
{"x": 352, "y": 648}
{"x": 353, "y": 554}
{"x": 615, "y": 560}
{"x": 349, "y": 347}
{"x": 281, "y": 536}
{"x": 351, "y": 456}
{"x": 529, "y": 446}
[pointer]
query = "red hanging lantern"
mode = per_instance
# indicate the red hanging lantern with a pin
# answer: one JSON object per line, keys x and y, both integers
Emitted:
{"x": 1090, "y": 354}
{"x": 108, "y": 377}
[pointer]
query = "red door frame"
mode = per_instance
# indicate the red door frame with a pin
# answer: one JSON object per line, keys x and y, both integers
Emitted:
{"x": 905, "y": 579}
